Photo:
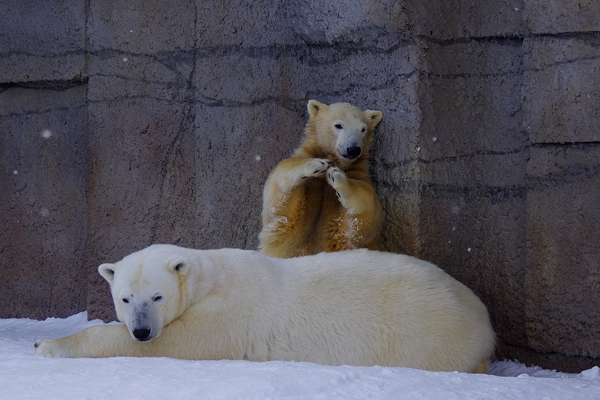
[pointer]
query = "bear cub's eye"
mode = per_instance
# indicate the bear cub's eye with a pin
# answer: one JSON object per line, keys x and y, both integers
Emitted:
{"x": 364, "y": 129}
{"x": 157, "y": 297}
{"x": 125, "y": 300}
{"x": 338, "y": 126}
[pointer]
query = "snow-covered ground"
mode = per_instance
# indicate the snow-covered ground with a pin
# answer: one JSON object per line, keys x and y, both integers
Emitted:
{"x": 25, "y": 376}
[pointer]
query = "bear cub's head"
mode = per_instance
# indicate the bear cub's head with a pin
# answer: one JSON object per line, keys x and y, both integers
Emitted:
{"x": 341, "y": 129}
{"x": 150, "y": 288}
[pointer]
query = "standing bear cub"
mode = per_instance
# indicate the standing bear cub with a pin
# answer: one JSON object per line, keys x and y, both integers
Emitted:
{"x": 356, "y": 307}
{"x": 321, "y": 198}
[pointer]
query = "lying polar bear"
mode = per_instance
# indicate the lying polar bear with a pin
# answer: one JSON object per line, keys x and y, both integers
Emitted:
{"x": 356, "y": 307}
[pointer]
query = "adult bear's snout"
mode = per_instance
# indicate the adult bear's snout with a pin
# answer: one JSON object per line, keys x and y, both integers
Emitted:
{"x": 142, "y": 334}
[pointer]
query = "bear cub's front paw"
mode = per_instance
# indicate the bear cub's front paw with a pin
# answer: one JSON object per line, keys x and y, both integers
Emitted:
{"x": 316, "y": 167}
{"x": 336, "y": 178}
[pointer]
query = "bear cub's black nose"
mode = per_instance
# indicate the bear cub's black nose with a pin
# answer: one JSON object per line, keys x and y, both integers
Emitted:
{"x": 353, "y": 152}
{"x": 141, "y": 334}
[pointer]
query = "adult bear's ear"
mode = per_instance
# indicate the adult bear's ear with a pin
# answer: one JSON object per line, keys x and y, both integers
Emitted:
{"x": 373, "y": 117}
{"x": 314, "y": 107}
{"x": 107, "y": 271}
{"x": 180, "y": 267}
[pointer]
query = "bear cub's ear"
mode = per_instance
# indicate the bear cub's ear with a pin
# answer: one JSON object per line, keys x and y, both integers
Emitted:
{"x": 373, "y": 117}
{"x": 107, "y": 271}
{"x": 314, "y": 107}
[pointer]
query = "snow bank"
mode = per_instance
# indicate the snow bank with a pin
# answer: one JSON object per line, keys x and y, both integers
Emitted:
{"x": 25, "y": 376}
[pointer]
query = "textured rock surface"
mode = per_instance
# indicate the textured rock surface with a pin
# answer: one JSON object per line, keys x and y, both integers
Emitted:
{"x": 130, "y": 123}
{"x": 43, "y": 224}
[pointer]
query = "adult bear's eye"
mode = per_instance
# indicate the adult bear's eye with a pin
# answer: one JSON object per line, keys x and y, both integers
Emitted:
{"x": 338, "y": 126}
{"x": 125, "y": 300}
{"x": 157, "y": 298}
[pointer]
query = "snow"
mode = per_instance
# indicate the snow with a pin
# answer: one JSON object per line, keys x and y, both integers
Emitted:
{"x": 26, "y": 376}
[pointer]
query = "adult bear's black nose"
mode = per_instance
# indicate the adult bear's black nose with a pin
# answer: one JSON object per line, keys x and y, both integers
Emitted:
{"x": 352, "y": 152}
{"x": 141, "y": 334}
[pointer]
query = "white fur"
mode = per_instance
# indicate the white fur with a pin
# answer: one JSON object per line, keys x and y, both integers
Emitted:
{"x": 356, "y": 307}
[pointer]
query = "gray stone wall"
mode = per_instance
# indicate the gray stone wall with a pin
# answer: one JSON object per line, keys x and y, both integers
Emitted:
{"x": 129, "y": 123}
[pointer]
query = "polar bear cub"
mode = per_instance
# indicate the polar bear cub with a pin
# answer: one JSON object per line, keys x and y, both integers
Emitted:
{"x": 321, "y": 198}
{"x": 356, "y": 307}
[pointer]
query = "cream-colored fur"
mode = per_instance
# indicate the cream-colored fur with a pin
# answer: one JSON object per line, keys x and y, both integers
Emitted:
{"x": 357, "y": 307}
{"x": 321, "y": 198}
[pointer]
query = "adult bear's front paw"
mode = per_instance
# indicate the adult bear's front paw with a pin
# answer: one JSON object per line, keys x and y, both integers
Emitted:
{"x": 48, "y": 348}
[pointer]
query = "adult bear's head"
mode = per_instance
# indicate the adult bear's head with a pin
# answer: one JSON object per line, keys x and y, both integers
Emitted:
{"x": 151, "y": 287}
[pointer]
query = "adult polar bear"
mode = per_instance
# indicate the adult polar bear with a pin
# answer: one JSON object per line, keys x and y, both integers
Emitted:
{"x": 356, "y": 307}
{"x": 321, "y": 198}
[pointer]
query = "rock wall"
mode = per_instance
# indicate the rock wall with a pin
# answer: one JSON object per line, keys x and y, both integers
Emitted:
{"x": 130, "y": 123}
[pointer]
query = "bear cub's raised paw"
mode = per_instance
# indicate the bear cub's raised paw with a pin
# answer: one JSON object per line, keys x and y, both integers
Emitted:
{"x": 316, "y": 167}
